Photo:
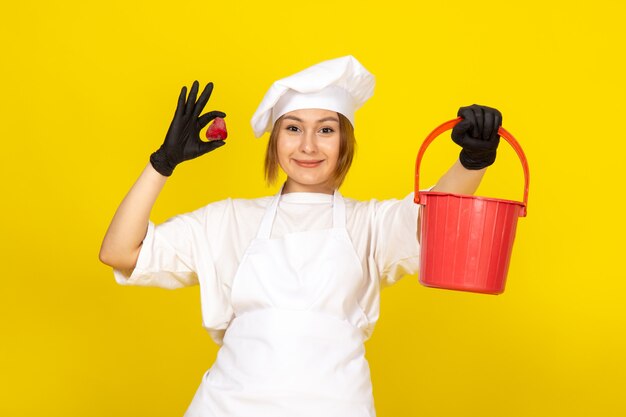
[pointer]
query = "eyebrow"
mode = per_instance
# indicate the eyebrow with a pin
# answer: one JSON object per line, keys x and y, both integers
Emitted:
{"x": 325, "y": 119}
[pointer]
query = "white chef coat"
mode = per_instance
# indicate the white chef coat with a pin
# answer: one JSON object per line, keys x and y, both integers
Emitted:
{"x": 205, "y": 247}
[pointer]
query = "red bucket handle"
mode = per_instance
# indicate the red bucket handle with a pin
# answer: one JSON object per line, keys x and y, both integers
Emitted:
{"x": 501, "y": 131}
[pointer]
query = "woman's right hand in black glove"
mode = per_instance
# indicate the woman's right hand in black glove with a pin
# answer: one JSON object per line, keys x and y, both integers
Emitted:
{"x": 182, "y": 141}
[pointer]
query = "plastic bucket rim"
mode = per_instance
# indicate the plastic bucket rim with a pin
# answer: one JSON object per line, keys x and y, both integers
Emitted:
{"x": 472, "y": 197}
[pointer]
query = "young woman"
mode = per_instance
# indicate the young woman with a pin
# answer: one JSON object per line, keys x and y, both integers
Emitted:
{"x": 289, "y": 284}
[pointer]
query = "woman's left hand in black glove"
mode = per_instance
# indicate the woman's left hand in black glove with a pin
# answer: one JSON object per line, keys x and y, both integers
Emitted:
{"x": 478, "y": 135}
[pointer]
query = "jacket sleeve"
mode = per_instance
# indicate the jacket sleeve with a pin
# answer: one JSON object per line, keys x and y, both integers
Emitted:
{"x": 166, "y": 258}
{"x": 396, "y": 249}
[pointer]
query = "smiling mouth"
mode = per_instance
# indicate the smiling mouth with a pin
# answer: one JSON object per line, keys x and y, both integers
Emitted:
{"x": 308, "y": 164}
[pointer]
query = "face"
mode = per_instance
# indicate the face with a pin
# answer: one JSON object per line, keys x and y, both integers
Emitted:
{"x": 308, "y": 150}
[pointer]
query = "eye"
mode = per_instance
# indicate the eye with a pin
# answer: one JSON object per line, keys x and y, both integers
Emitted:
{"x": 292, "y": 128}
{"x": 327, "y": 130}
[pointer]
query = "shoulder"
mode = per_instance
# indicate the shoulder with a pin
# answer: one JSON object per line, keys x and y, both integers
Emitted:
{"x": 233, "y": 204}
{"x": 240, "y": 210}
{"x": 374, "y": 205}
{"x": 380, "y": 211}
{"x": 227, "y": 210}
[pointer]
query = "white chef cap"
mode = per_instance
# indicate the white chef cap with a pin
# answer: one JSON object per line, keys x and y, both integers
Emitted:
{"x": 342, "y": 85}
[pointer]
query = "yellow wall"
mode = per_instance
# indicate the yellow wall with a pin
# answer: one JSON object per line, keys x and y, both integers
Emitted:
{"x": 88, "y": 91}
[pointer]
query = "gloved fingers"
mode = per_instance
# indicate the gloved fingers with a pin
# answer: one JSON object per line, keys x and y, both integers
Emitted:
{"x": 459, "y": 131}
{"x": 191, "y": 100}
{"x": 479, "y": 116}
{"x": 203, "y": 100}
{"x": 497, "y": 123}
{"x": 492, "y": 122}
{"x": 180, "y": 107}
{"x": 462, "y": 127}
{"x": 488, "y": 125}
{"x": 479, "y": 145}
{"x": 206, "y": 118}
{"x": 468, "y": 114}
{"x": 210, "y": 146}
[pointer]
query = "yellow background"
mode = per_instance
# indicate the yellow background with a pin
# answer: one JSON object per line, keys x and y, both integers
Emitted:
{"x": 89, "y": 89}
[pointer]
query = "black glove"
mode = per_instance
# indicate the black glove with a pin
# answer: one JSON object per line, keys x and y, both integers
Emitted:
{"x": 182, "y": 141}
{"x": 478, "y": 135}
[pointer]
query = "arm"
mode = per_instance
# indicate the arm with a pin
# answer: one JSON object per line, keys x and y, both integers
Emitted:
{"x": 460, "y": 180}
{"x": 123, "y": 240}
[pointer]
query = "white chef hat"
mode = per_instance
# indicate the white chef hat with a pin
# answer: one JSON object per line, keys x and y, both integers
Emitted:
{"x": 342, "y": 85}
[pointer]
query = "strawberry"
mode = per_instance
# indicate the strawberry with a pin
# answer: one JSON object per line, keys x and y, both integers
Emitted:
{"x": 217, "y": 130}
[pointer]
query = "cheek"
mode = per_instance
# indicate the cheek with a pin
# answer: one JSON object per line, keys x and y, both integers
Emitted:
{"x": 332, "y": 151}
{"x": 283, "y": 150}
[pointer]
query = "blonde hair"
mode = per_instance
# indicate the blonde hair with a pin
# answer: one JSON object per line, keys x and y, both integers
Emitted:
{"x": 347, "y": 146}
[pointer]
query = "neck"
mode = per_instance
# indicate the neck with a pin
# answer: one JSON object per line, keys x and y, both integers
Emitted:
{"x": 294, "y": 187}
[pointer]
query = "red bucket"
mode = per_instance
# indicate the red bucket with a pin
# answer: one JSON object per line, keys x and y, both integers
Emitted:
{"x": 466, "y": 241}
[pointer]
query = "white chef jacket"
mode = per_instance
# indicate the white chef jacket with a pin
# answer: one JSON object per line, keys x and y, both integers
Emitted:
{"x": 205, "y": 247}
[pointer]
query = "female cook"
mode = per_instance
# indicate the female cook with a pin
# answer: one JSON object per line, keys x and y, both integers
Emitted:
{"x": 289, "y": 284}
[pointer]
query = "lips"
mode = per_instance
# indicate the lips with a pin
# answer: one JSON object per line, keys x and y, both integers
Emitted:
{"x": 307, "y": 163}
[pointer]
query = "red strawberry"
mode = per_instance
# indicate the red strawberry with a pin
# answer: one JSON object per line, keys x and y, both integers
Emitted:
{"x": 217, "y": 130}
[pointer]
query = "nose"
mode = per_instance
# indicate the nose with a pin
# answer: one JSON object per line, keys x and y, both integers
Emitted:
{"x": 308, "y": 144}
